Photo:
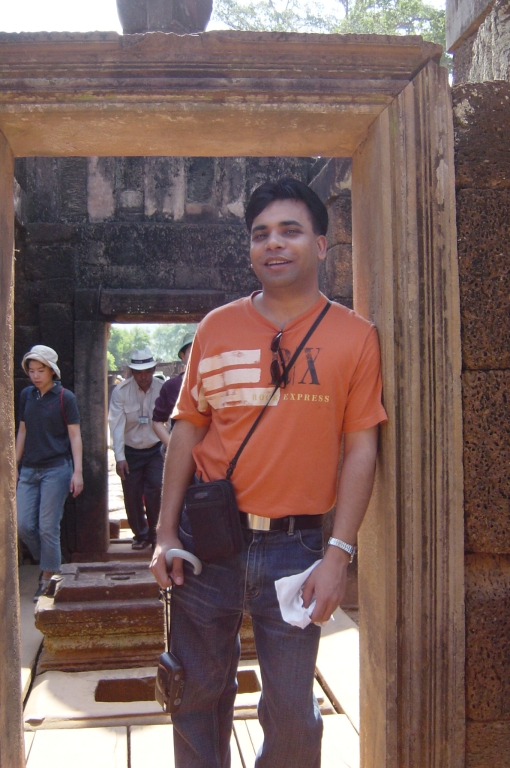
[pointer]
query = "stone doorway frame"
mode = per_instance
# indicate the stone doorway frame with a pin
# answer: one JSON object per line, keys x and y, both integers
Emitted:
{"x": 384, "y": 101}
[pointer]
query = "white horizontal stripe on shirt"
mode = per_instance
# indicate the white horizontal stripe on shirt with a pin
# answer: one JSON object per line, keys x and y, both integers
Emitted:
{"x": 224, "y": 359}
{"x": 251, "y": 396}
{"x": 233, "y": 376}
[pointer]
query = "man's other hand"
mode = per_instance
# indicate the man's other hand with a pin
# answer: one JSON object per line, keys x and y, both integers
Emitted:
{"x": 158, "y": 564}
{"x": 327, "y": 583}
{"x": 122, "y": 469}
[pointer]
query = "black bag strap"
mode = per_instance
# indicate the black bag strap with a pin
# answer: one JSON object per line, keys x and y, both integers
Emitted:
{"x": 286, "y": 371}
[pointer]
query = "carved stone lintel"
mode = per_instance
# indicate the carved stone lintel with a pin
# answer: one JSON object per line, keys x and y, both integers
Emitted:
{"x": 182, "y": 306}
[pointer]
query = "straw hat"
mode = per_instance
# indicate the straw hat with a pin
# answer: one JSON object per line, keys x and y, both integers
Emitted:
{"x": 141, "y": 359}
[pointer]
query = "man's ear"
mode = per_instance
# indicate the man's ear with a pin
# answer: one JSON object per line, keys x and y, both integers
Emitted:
{"x": 322, "y": 247}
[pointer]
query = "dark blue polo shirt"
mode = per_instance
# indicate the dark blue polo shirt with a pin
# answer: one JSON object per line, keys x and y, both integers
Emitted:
{"x": 47, "y": 440}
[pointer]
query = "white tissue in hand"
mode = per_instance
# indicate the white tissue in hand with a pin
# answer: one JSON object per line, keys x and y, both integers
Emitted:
{"x": 289, "y": 591}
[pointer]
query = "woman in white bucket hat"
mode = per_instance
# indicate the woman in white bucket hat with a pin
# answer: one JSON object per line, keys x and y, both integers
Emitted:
{"x": 49, "y": 455}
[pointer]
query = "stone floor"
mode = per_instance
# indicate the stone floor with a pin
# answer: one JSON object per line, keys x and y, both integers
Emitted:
{"x": 65, "y": 725}
{"x": 62, "y": 717}
{"x": 149, "y": 745}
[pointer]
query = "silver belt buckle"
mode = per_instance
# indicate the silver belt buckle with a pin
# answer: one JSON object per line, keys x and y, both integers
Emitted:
{"x": 258, "y": 523}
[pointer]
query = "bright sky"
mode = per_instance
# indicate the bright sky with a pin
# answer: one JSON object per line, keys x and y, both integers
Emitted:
{"x": 75, "y": 16}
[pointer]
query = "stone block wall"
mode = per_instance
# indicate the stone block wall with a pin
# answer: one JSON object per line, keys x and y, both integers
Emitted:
{"x": 483, "y": 52}
{"x": 482, "y": 127}
{"x": 333, "y": 185}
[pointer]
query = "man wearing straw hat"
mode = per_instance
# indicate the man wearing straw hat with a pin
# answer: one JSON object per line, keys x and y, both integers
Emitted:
{"x": 139, "y": 463}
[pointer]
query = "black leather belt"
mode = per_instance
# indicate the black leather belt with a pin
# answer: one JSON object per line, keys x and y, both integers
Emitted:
{"x": 291, "y": 522}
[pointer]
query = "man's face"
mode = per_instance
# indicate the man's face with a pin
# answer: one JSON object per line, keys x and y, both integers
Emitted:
{"x": 285, "y": 251}
{"x": 144, "y": 378}
{"x": 185, "y": 355}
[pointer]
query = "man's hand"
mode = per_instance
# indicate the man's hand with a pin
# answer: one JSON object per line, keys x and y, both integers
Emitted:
{"x": 76, "y": 486}
{"x": 327, "y": 583}
{"x": 122, "y": 469}
{"x": 158, "y": 564}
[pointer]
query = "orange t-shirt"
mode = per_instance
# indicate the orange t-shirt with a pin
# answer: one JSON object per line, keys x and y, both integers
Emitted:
{"x": 290, "y": 464}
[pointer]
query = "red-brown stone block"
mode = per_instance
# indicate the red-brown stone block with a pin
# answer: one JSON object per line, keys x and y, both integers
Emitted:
{"x": 340, "y": 219}
{"x": 339, "y": 272}
{"x": 488, "y": 637}
{"x": 485, "y": 319}
{"x": 486, "y": 411}
{"x": 488, "y": 745}
{"x": 483, "y": 232}
{"x": 482, "y": 126}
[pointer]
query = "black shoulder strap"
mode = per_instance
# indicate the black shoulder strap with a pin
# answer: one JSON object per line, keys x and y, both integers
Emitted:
{"x": 286, "y": 371}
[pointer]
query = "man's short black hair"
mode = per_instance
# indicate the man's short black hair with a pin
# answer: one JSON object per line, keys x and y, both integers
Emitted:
{"x": 287, "y": 188}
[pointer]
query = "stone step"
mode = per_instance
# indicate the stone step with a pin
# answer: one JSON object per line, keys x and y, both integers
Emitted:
{"x": 102, "y": 616}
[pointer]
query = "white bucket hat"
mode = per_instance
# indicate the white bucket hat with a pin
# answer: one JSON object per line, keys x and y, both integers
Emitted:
{"x": 42, "y": 354}
{"x": 141, "y": 359}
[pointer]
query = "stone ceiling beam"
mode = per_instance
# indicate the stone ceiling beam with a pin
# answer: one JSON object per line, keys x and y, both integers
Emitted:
{"x": 207, "y": 94}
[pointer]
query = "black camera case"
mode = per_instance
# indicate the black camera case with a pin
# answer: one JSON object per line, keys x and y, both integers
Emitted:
{"x": 170, "y": 682}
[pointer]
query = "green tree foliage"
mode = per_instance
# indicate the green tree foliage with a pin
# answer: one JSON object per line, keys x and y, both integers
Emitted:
{"x": 124, "y": 340}
{"x": 110, "y": 361}
{"x": 164, "y": 342}
{"x": 395, "y": 17}
{"x": 382, "y": 17}
{"x": 167, "y": 339}
{"x": 274, "y": 15}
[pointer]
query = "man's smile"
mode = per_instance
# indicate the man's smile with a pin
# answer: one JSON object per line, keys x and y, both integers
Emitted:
{"x": 272, "y": 262}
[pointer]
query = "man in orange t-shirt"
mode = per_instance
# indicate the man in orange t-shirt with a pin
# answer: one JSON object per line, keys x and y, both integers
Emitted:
{"x": 285, "y": 480}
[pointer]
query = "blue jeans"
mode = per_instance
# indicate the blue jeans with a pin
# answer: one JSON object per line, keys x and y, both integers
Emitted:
{"x": 207, "y": 612}
{"x": 40, "y": 499}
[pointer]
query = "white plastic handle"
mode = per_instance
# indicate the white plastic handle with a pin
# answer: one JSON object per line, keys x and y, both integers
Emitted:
{"x": 193, "y": 559}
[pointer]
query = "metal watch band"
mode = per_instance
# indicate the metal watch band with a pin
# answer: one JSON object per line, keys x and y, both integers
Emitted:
{"x": 349, "y": 548}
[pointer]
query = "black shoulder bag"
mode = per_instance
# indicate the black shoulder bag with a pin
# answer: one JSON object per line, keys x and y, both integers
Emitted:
{"x": 212, "y": 507}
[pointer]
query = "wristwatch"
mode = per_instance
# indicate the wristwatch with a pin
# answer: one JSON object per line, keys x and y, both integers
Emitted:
{"x": 349, "y": 548}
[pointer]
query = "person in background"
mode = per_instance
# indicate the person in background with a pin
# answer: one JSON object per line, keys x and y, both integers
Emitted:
{"x": 169, "y": 394}
{"x": 49, "y": 458}
{"x": 137, "y": 448}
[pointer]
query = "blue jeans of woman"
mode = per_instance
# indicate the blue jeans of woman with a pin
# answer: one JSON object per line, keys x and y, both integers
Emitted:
{"x": 207, "y": 611}
{"x": 40, "y": 499}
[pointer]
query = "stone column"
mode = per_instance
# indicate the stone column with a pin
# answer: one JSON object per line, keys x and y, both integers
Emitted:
{"x": 92, "y": 531}
{"x": 411, "y": 575}
{"x": 11, "y": 726}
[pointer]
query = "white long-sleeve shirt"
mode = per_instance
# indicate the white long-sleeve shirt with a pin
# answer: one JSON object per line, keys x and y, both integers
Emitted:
{"x": 127, "y": 405}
